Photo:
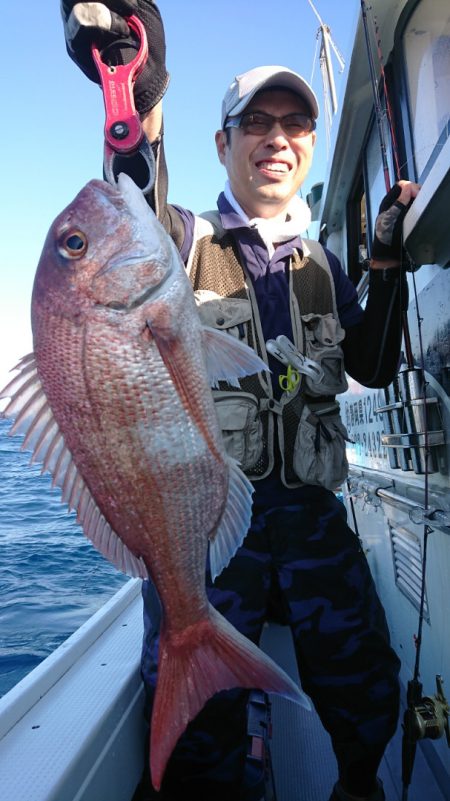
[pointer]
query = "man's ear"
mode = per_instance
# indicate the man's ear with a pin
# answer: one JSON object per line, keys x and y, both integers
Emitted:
{"x": 221, "y": 144}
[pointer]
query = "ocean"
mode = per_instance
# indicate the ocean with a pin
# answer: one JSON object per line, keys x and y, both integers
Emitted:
{"x": 51, "y": 577}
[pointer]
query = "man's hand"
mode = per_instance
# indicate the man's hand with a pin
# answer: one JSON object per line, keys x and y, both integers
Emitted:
{"x": 387, "y": 245}
{"x": 104, "y": 23}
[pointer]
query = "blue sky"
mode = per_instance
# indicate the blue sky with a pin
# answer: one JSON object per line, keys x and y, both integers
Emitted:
{"x": 53, "y": 117}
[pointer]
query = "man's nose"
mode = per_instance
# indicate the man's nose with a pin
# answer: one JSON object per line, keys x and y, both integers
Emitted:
{"x": 276, "y": 137}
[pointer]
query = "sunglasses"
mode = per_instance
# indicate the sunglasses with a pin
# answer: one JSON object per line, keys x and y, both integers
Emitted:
{"x": 260, "y": 123}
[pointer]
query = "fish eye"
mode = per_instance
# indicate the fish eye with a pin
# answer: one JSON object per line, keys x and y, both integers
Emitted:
{"x": 73, "y": 244}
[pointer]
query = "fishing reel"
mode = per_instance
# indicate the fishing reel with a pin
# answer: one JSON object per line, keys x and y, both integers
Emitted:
{"x": 425, "y": 717}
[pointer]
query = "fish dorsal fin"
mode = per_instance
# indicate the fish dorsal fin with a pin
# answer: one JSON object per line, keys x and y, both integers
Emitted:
{"x": 33, "y": 418}
{"x": 235, "y": 520}
{"x": 228, "y": 359}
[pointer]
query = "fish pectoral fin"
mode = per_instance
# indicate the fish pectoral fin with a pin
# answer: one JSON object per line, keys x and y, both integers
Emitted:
{"x": 34, "y": 419}
{"x": 235, "y": 520}
{"x": 228, "y": 359}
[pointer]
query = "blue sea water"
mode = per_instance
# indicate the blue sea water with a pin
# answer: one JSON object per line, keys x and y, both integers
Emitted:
{"x": 51, "y": 577}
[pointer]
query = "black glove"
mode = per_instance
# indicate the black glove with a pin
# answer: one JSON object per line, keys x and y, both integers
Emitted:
{"x": 104, "y": 24}
{"x": 387, "y": 241}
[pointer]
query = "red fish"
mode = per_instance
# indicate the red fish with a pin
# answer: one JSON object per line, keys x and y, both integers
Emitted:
{"x": 116, "y": 402}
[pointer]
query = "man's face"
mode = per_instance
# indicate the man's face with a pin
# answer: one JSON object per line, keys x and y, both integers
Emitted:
{"x": 265, "y": 171}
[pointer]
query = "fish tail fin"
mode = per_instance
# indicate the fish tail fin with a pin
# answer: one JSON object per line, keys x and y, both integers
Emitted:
{"x": 208, "y": 657}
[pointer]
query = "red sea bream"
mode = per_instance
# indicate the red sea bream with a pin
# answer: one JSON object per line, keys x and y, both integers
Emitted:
{"x": 116, "y": 402}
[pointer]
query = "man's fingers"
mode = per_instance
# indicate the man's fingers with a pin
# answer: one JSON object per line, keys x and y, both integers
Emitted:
{"x": 86, "y": 17}
{"x": 409, "y": 191}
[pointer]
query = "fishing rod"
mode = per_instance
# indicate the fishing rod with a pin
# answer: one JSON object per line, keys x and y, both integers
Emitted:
{"x": 424, "y": 716}
{"x": 379, "y": 116}
{"x": 389, "y": 114}
{"x": 376, "y": 100}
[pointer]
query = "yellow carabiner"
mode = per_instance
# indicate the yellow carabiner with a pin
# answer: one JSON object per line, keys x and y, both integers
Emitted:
{"x": 289, "y": 382}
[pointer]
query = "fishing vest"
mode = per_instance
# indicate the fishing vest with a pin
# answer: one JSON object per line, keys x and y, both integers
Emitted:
{"x": 306, "y": 418}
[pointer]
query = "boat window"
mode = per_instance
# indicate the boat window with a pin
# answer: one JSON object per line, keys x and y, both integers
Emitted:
{"x": 365, "y": 198}
{"x": 426, "y": 41}
{"x": 374, "y": 171}
{"x": 356, "y": 230}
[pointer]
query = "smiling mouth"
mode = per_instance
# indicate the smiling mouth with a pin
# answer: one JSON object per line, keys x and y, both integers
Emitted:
{"x": 274, "y": 167}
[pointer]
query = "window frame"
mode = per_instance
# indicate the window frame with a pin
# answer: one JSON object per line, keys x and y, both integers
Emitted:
{"x": 404, "y": 108}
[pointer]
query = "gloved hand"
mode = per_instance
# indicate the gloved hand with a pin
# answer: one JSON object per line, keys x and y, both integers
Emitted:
{"x": 387, "y": 242}
{"x": 104, "y": 23}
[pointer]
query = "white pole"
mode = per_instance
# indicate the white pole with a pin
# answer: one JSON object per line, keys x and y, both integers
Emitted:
{"x": 329, "y": 66}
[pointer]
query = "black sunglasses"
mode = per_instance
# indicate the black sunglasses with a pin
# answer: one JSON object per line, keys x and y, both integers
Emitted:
{"x": 260, "y": 123}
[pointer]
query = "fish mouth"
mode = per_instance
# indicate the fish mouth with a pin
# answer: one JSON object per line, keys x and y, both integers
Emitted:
{"x": 128, "y": 261}
{"x": 139, "y": 269}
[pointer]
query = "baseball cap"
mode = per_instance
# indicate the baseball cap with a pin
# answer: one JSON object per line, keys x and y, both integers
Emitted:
{"x": 245, "y": 86}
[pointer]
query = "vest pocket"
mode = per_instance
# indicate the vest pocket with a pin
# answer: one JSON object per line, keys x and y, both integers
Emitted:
{"x": 232, "y": 315}
{"x": 319, "y": 451}
{"x": 323, "y": 334}
{"x": 241, "y": 426}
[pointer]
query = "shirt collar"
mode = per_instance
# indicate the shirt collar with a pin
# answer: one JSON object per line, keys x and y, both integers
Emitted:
{"x": 231, "y": 220}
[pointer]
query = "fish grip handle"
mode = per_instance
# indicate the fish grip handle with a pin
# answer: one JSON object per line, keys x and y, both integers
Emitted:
{"x": 126, "y": 148}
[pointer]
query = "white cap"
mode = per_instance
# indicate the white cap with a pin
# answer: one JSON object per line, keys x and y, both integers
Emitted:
{"x": 245, "y": 86}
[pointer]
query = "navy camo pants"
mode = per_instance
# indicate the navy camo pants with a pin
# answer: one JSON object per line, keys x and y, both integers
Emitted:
{"x": 307, "y": 563}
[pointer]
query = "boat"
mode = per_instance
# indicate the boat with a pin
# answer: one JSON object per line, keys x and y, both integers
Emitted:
{"x": 394, "y": 124}
{"x": 73, "y": 729}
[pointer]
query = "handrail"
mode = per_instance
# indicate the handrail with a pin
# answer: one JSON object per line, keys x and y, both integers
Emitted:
{"x": 373, "y": 494}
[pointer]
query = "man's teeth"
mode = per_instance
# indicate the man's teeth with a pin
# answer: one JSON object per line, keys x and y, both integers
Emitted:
{"x": 273, "y": 166}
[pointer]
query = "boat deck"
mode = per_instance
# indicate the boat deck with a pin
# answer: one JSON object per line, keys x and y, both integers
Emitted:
{"x": 73, "y": 729}
{"x": 303, "y": 760}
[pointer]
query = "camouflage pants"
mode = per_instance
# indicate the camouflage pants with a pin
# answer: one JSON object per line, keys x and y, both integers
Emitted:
{"x": 305, "y": 561}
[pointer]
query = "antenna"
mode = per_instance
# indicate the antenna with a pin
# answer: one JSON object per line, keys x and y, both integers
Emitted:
{"x": 326, "y": 69}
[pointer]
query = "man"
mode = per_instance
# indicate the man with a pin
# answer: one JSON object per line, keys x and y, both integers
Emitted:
{"x": 256, "y": 278}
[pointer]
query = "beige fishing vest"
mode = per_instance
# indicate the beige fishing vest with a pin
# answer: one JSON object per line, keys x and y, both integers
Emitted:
{"x": 311, "y": 435}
